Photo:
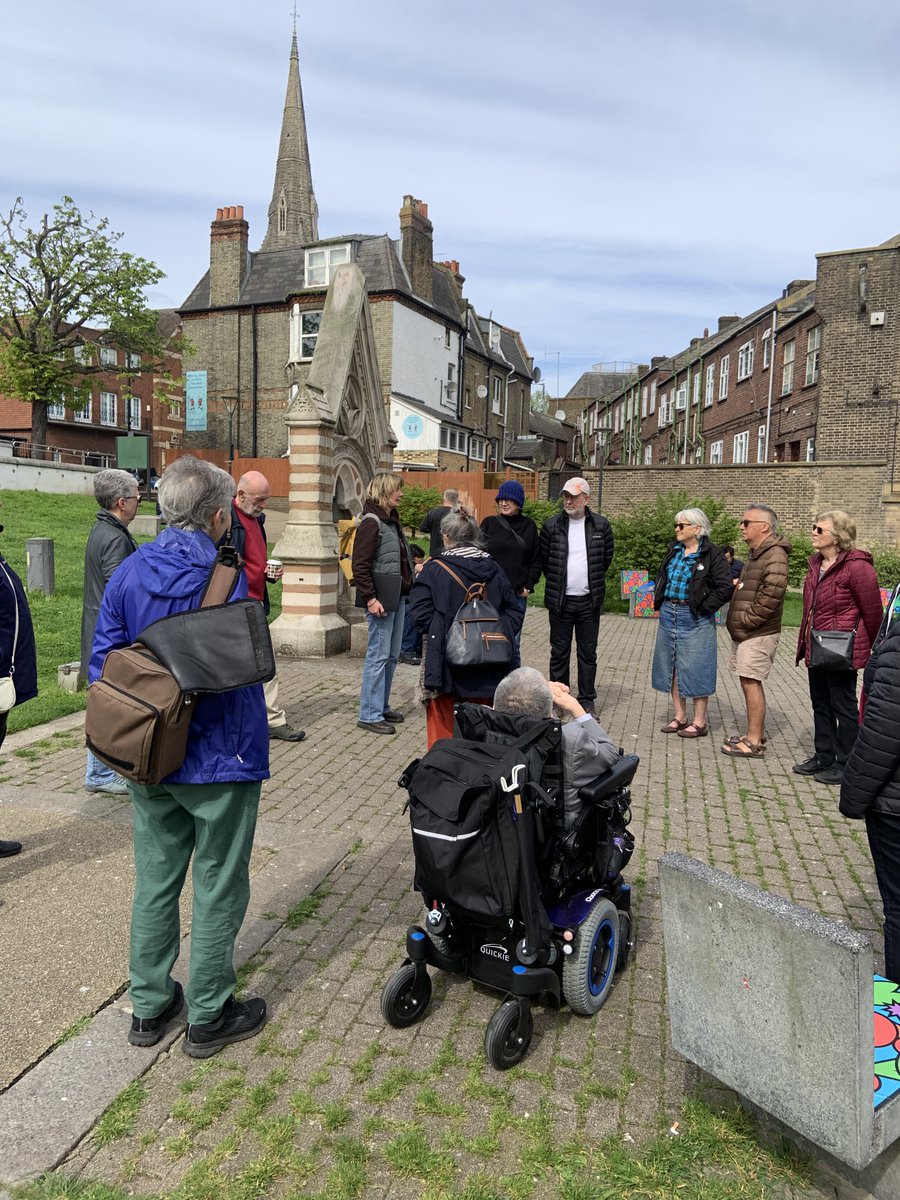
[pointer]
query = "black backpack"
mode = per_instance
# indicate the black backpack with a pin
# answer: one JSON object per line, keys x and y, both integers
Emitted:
{"x": 475, "y": 637}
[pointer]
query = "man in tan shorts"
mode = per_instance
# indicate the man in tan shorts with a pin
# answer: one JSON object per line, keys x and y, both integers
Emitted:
{"x": 754, "y": 622}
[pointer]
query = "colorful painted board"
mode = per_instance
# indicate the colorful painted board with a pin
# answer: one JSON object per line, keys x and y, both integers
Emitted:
{"x": 887, "y": 1039}
{"x": 632, "y": 580}
{"x": 640, "y": 602}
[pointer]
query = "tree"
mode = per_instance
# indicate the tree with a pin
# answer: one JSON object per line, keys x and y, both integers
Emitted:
{"x": 540, "y": 401}
{"x": 57, "y": 280}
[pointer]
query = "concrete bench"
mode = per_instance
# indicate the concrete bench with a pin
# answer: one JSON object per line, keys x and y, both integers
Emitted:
{"x": 776, "y": 1002}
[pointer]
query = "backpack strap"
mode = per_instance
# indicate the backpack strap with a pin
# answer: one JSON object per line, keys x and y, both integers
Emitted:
{"x": 222, "y": 578}
{"x": 440, "y": 562}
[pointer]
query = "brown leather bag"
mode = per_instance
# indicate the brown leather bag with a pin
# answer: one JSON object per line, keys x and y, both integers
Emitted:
{"x": 138, "y": 719}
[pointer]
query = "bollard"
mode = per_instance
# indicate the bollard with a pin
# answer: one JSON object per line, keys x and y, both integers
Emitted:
{"x": 40, "y": 572}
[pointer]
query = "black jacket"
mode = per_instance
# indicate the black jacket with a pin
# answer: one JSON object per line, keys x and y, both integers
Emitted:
{"x": 872, "y": 774}
{"x": 555, "y": 557}
{"x": 519, "y": 557}
{"x": 109, "y": 544}
{"x": 434, "y": 602}
{"x": 710, "y": 585}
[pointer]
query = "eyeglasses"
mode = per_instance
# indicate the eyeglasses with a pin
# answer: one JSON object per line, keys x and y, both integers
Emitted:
{"x": 679, "y": 525}
{"x": 754, "y": 521}
{"x": 818, "y": 529}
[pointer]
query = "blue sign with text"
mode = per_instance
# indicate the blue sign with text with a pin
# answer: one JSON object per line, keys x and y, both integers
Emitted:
{"x": 195, "y": 401}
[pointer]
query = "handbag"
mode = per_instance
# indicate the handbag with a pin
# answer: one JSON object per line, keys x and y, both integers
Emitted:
{"x": 831, "y": 649}
{"x": 190, "y": 645}
{"x": 7, "y": 685}
{"x": 475, "y": 637}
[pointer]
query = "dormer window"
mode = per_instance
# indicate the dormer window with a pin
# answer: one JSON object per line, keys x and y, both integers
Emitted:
{"x": 320, "y": 264}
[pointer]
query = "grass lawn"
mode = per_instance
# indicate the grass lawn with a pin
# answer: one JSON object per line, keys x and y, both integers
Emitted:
{"x": 57, "y": 618}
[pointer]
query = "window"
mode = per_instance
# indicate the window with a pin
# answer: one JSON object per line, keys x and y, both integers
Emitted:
{"x": 664, "y": 409}
{"x": 84, "y": 353}
{"x": 767, "y": 346}
{"x": 446, "y": 337}
{"x": 813, "y": 343}
{"x": 84, "y": 414}
{"x": 644, "y": 394}
{"x": 56, "y": 411}
{"x": 304, "y": 333}
{"x": 787, "y": 370}
{"x": 497, "y": 396}
{"x": 468, "y": 397}
{"x": 761, "y": 447}
{"x": 740, "y": 447}
{"x": 681, "y": 398}
{"x": 133, "y": 411}
{"x": 710, "y": 393}
{"x": 175, "y": 409}
{"x": 715, "y": 452}
{"x": 695, "y": 397}
{"x": 282, "y": 214}
{"x": 320, "y": 264}
{"x": 745, "y": 360}
{"x": 453, "y": 439}
{"x": 132, "y": 362}
{"x": 648, "y": 454}
{"x": 477, "y": 448}
{"x": 724, "y": 368}
{"x": 652, "y": 398}
{"x": 107, "y": 408}
{"x": 810, "y": 449}
{"x": 109, "y": 356}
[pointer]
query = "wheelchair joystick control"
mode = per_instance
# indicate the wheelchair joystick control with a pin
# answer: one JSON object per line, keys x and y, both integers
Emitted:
{"x": 436, "y": 920}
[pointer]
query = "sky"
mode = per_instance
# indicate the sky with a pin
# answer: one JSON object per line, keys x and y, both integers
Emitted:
{"x": 611, "y": 177}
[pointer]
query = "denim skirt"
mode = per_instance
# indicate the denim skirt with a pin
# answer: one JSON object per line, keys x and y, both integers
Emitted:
{"x": 686, "y": 650}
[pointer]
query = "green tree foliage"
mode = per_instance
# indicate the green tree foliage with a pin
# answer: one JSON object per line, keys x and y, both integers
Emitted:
{"x": 57, "y": 279}
{"x": 541, "y": 510}
{"x": 415, "y": 503}
{"x": 540, "y": 400}
{"x": 645, "y": 535}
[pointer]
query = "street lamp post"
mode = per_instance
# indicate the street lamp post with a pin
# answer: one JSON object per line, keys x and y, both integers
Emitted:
{"x": 231, "y": 403}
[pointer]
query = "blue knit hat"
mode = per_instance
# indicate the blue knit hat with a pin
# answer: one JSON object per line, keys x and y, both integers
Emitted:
{"x": 510, "y": 489}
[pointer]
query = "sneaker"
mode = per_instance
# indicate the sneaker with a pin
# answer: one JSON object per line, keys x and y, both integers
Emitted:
{"x": 236, "y": 1022}
{"x": 376, "y": 726}
{"x": 147, "y": 1031}
{"x": 107, "y": 789}
{"x": 810, "y": 766}
{"x": 8, "y": 849}
{"x": 395, "y": 718}
{"x": 832, "y": 774}
{"x": 411, "y": 660}
{"x": 285, "y": 733}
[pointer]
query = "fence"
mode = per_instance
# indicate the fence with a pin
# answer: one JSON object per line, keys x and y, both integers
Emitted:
{"x": 480, "y": 487}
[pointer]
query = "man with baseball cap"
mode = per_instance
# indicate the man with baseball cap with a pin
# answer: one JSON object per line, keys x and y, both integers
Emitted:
{"x": 576, "y": 550}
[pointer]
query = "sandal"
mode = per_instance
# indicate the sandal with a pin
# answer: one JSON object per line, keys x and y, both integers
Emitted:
{"x": 733, "y": 741}
{"x": 694, "y": 730}
{"x": 674, "y": 726}
{"x": 752, "y": 750}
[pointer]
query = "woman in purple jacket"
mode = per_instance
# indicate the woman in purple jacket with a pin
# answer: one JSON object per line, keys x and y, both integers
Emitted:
{"x": 840, "y": 593}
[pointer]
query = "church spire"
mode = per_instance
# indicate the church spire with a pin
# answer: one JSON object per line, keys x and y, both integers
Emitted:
{"x": 293, "y": 212}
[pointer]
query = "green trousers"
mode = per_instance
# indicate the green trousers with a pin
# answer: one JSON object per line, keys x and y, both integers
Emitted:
{"x": 214, "y": 823}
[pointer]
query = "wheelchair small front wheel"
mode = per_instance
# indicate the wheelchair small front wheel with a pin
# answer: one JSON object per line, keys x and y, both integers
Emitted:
{"x": 588, "y": 971}
{"x": 504, "y": 1044}
{"x": 405, "y": 996}
{"x": 626, "y": 941}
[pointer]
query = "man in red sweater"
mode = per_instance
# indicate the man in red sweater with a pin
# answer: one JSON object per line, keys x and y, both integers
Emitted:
{"x": 248, "y": 536}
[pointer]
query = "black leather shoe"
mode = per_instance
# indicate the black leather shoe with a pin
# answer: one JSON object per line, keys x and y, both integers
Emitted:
{"x": 810, "y": 767}
{"x": 832, "y": 774}
{"x": 147, "y": 1031}
{"x": 236, "y": 1022}
{"x": 8, "y": 849}
{"x": 395, "y": 718}
{"x": 285, "y": 733}
{"x": 376, "y": 726}
{"x": 411, "y": 660}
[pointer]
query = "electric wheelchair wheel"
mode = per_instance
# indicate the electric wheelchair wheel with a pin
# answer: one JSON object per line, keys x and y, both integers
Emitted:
{"x": 626, "y": 942}
{"x": 588, "y": 971}
{"x": 503, "y": 1045}
{"x": 405, "y": 996}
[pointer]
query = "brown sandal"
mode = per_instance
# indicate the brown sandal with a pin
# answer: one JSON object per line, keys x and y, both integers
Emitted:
{"x": 752, "y": 751}
{"x": 694, "y": 730}
{"x": 740, "y": 737}
{"x": 674, "y": 726}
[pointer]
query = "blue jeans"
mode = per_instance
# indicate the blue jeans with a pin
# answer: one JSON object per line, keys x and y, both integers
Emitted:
{"x": 385, "y": 636}
{"x": 98, "y": 774}
{"x": 412, "y": 639}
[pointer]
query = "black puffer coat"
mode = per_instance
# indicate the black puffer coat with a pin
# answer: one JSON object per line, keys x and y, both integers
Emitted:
{"x": 555, "y": 557}
{"x": 710, "y": 585}
{"x": 872, "y": 774}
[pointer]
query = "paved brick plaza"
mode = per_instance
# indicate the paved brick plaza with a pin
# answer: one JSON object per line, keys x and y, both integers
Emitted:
{"x": 327, "y": 1056}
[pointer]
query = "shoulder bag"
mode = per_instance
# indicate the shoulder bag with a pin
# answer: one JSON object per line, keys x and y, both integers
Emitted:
{"x": 7, "y": 686}
{"x": 830, "y": 649}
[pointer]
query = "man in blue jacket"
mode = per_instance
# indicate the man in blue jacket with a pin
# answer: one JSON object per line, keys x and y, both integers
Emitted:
{"x": 206, "y": 810}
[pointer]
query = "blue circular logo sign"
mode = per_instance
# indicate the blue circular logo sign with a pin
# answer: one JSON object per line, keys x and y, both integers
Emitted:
{"x": 413, "y": 427}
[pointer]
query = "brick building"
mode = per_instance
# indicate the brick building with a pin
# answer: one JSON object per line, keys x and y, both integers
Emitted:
{"x": 254, "y": 318}
{"x": 126, "y": 398}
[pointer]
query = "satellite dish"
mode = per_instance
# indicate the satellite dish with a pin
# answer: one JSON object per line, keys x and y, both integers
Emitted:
{"x": 560, "y": 414}
{"x": 481, "y": 391}
{"x": 537, "y": 375}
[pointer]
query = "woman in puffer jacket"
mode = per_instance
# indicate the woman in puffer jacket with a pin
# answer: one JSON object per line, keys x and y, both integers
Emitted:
{"x": 870, "y": 789}
{"x": 840, "y": 593}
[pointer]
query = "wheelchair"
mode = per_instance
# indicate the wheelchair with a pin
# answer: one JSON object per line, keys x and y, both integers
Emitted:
{"x": 564, "y": 928}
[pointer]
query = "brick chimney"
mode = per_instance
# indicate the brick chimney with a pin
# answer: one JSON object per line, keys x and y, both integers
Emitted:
{"x": 416, "y": 246}
{"x": 796, "y": 285}
{"x": 727, "y": 322}
{"x": 228, "y": 257}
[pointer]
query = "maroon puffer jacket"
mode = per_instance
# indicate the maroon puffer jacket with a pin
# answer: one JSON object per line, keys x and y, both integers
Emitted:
{"x": 847, "y": 591}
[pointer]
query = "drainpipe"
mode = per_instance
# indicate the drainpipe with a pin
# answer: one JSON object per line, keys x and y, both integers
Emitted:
{"x": 254, "y": 408}
{"x": 771, "y": 385}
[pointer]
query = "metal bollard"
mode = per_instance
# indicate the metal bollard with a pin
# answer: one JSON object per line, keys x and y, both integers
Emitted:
{"x": 40, "y": 574}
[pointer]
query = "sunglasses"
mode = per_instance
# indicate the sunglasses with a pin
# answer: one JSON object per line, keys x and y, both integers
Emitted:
{"x": 818, "y": 529}
{"x": 755, "y": 521}
{"x": 679, "y": 525}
